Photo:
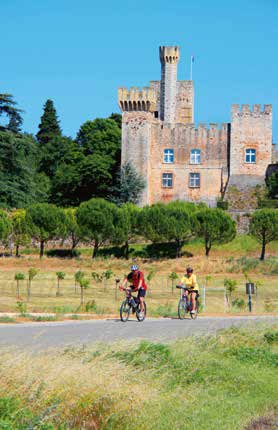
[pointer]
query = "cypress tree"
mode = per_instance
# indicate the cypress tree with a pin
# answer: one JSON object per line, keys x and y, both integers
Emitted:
{"x": 49, "y": 126}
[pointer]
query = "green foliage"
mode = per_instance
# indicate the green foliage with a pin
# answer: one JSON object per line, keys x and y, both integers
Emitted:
{"x": 45, "y": 222}
{"x": 129, "y": 185}
{"x": 79, "y": 275}
{"x": 21, "y": 307}
{"x": 5, "y": 320}
{"x": 230, "y": 286}
{"x": 95, "y": 218}
{"x": 238, "y": 303}
{"x": 13, "y": 416}
{"x": 223, "y": 204}
{"x": 60, "y": 275}
{"x": 20, "y": 183}
{"x": 214, "y": 226}
{"x": 49, "y": 126}
{"x": 270, "y": 203}
{"x": 32, "y": 273}
{"x": 8, "y": 108}
{"x": 91, "y": 306}
{"x": 73, "y": 230}
{"x": 173, "y": 276}
{"x": 20, "y": 233}
{"x": 168, "y": 223}
{"x": 264, "y": 227}
{"x": 19, "y": 276}
{"x": 97, "y": 277}
{"x": 108, "y": 274}
{"x": 272, "y": 185}
{"x": 5, "y": 225}
{"x": 271, "y": 337}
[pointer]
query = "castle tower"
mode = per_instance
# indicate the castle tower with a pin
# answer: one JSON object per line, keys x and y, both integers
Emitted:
{"x": 251, "y": 144}
{"x": 169, "y": 57}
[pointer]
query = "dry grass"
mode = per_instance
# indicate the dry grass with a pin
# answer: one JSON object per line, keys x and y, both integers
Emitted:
{"x": 231, "y": 377}
{"x": 161, "y": 301}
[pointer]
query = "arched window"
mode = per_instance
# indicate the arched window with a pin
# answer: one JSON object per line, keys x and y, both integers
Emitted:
{"x": 195, "y": 156}
{"x": 168, "y": 156}
{"x": 250, "y": 155}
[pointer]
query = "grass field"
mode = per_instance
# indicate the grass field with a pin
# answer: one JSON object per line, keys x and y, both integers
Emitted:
{"x": 232, "y": 261}
{"x": 220, "y": 382}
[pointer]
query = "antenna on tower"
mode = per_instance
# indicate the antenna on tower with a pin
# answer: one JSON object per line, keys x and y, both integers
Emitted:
{"x": 191, "y": 66}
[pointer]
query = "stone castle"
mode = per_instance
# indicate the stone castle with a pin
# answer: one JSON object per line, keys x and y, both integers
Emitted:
{"x": 180, "y": 160}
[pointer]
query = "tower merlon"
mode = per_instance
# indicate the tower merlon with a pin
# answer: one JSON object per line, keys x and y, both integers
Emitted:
{"x": 136, "y": 99}
{"x": 169, "y": 54}
{"x": 246, "y": 109}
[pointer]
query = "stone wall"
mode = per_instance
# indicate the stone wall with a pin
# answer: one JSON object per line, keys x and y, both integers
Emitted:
{"x": 185, "y": 102}
{"x": 136, "y": 138}
{"x": 250, "y": 129}
{"x": 212, "y": 142}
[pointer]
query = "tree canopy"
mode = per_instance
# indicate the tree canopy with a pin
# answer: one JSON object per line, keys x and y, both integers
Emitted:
{"x": 264, "y": 227}
{"x": 45, "y": 221}
{"x": 214, "y": 226}
{"x": 8, "y": 108}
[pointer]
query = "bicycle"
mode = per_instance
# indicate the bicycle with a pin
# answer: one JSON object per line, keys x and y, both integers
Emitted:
{"x": 185, "y": 306}
{"x": 127, "y": 307}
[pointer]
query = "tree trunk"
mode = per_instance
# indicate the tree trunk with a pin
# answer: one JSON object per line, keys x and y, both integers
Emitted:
{"x": 28, "y": 291}
{"x": 82, "y": 296}
{"x": 17, "y": 250}
{"x": 207, "y": 249}
{"x": 263, "y": 248}
{"x": 96, "y": 246}
{"x": 42, "y": 249}
{"x": 58, "y": 287}
{"x": 178, "y": 251}
{"x": 17, "y": 288}
{"x": 126, "y": 250}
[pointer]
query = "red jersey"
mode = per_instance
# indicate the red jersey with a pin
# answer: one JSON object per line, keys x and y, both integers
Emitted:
{"x": 135, "y": 278}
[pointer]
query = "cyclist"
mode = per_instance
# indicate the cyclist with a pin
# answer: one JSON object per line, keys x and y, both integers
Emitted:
{"x": 138, "y": 284}
{"x": 189, "y": 281}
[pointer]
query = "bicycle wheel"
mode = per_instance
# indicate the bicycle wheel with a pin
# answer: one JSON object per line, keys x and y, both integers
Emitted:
{"x": 125, "y": 310}
{"x": 141, "y": 318}
{"x": 182, "y": 311}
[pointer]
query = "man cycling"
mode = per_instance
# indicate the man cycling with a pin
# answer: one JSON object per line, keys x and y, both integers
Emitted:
{"x": 189, "y": 281}
{"x": 138, "y": 284}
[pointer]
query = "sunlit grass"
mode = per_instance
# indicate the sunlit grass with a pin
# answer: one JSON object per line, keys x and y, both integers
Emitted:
{"x": 216, "y": 382}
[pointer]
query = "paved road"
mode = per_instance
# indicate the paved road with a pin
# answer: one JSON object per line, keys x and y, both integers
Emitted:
{"x": 39, "y": 336}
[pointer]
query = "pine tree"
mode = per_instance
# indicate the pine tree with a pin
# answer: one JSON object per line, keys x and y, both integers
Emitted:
{"x": 7, "y": 107}
{"x": 49, "y": 127}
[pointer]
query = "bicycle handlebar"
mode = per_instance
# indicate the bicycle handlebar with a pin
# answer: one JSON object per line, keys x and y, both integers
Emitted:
{"x": 180, "y": 287}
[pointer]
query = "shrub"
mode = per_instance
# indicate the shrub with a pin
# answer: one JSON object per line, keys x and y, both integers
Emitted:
{"x": 270, "y": 203}
{"x": 223, "y": 204}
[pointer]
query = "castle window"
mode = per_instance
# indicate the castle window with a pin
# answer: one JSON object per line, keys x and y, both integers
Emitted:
{"x": 168, "y": 156}
{"x": 250, "y": 156}
{"x": 167, "y": 180}
{"x": 194, "y": 180}
{"x": 195, "y": 156}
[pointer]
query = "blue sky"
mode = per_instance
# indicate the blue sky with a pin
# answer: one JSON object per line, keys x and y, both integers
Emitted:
{"x": 78, "y": 52}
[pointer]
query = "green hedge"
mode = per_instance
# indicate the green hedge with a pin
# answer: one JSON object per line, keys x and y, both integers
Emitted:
{"x": 270, "y": 203}
{"x": 221, "y": 204}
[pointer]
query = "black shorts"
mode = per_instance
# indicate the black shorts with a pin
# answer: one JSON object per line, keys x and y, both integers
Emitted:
{"x": 141, "y": 293}
{"x": 192, "y": 291}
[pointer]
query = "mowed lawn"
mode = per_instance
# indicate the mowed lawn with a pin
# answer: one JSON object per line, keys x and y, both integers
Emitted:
{"x": 237, "y": 260}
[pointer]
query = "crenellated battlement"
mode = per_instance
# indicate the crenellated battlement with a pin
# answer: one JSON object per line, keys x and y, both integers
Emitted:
{"x": 136, "y": 99}
{"x": 246, "y": 109}
{"x": 169, "y": 54}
